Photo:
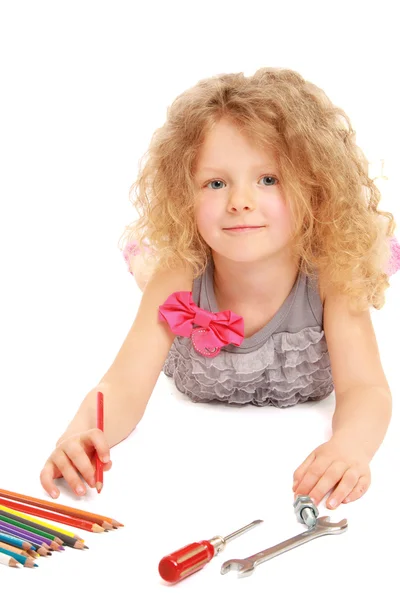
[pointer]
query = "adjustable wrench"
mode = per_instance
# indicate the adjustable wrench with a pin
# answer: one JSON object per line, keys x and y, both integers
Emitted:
{"x": 246, "y": 566}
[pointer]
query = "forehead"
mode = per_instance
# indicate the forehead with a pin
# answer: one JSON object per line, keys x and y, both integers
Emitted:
{"x": 226, "y": 145}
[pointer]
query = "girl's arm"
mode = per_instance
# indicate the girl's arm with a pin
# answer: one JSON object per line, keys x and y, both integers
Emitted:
{"x": 363, "y": 409}
{"x": 129, "y": 382}
{"x": 363, "y": 399}
{"x": 127, "y": 387}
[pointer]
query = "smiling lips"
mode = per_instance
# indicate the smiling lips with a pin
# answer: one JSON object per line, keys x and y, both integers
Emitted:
{"x": 244, "y": 228}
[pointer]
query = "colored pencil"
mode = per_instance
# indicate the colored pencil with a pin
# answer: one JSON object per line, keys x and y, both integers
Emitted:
{"x": 9, "y": 539}
{"x": 73, "y": 542}
{"x": 20, "y": 515}
{"x": 35, "y": 540}
{"x": 20, "y": 523}
{"x": 8, "y": 561}
{"x": 14, "y": 549}
{"x": 60, "y": 508}
{"x": 100, "y": 425}
{"x": 42, "y": 550}
{"x": 34, "y": 550}
{"x": 27, "y": 561}
{"x": 52, "y": 516}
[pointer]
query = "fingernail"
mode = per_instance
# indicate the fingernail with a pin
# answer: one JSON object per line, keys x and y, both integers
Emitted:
{"x": 332, "y": 503}
{"x": 294, "y": 484}
{"x": 92, "y": 481}
{"x": 54, "y": 493}
{"x": 105, "y": 458}
{"x": 80, "y": 489}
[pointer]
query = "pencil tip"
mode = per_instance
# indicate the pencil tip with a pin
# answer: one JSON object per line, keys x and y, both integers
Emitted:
{"x": 99, "y": 487}
{"x": 86, "y": 547}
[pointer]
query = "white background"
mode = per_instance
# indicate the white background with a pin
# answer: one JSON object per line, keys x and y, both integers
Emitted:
{"x": 83, "y": 86}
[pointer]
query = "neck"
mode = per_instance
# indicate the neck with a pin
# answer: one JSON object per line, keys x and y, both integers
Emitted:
{"x": 268, "y": 281}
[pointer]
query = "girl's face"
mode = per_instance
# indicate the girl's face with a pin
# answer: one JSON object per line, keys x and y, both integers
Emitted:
{"x": 240, "y": 208}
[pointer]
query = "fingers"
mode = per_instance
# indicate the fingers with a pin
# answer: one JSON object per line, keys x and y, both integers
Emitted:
{"x": 346, "y": 482}
{"x": 81, "y": 462}
{"x": 73, "y": 459}
{"x": 94, "y": 438}
{"x": 312, "y": 476}
{"x": 344, "y": 487}
{"x": 359, "y": 489}
{"x": 47, "y": 476}
{"x": 107, "y": 466}
{"x": 300, "y": 472}
{"x": 68, "y": 471}
{"x": 338, "y": 474}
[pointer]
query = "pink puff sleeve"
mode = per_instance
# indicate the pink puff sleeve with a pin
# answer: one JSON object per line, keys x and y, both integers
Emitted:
{"x": 394, "y": 260}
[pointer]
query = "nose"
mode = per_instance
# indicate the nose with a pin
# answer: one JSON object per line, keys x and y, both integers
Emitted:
{"x": 241, "y": 200}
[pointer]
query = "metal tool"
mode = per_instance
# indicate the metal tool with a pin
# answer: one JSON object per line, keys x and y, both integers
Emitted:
{"x": 246, "y": 566}
{"x": 305, "y": 511}
{"x": 193, "y": 557}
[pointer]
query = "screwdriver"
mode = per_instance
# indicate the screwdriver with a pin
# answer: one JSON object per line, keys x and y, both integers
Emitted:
{"x": 193, "y": 557}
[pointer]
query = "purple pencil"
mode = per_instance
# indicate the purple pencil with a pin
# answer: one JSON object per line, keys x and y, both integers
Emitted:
{"x": 37, "y": 540}
{"x": 22, "y": 533}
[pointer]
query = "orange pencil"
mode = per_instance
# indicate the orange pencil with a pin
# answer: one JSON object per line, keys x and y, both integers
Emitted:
{"x": 100, "y": 425}
{"x": 54, "y": 516}
{"x": 60, "y": 508}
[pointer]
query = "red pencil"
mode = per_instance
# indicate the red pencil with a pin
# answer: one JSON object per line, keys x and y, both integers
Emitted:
{"x": 100, "y": 425}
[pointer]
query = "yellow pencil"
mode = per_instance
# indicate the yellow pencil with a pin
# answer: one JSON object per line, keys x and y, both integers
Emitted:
{"x": 38, "y": 521}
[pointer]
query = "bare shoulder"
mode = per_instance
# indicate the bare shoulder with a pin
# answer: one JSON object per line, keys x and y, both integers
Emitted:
{"x": 149, "y": 339}
{"x": 164, "y": 282}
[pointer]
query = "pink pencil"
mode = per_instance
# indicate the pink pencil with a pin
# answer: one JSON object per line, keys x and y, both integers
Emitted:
{"x": 100, "y": 425}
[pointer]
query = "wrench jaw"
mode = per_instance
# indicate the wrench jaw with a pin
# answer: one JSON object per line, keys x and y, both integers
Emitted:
{"x": 243, "y": 568}
{"x": 246, "y": 572}
{"x": 325, "y": 523}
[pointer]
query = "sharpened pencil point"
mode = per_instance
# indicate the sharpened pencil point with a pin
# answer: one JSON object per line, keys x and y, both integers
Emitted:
{"x": 99, "y": 487}
{"x": 86, "y": 547}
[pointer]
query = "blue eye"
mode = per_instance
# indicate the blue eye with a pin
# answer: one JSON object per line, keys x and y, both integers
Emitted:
{"x": 274, "y": 179}
{"x": 215, "y": 181}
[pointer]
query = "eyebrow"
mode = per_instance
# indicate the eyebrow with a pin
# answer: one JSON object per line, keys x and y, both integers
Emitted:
{"x": 256, "y": 167}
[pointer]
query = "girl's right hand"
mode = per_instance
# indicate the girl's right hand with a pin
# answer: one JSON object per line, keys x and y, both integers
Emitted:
{"x": 73, "y": 458}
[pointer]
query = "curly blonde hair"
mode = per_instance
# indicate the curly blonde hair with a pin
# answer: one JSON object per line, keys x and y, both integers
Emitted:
{"x": 339, "y": 232}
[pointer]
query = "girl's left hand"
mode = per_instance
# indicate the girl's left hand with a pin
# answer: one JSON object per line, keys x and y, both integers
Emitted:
{"x": 339, "y": 462}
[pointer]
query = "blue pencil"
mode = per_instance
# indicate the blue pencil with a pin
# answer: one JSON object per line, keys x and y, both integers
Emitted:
{"x": 27, "y": 561}
{"x": 14, "y": 541}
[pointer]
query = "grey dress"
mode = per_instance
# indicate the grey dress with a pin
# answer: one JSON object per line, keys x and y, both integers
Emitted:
{"x": 283, "y": 364}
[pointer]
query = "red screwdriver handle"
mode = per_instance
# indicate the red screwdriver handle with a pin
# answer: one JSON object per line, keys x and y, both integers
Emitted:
{"x": 187, "y": 560}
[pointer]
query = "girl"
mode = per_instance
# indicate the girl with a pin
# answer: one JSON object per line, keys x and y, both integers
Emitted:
{"x": 263, "y": 250}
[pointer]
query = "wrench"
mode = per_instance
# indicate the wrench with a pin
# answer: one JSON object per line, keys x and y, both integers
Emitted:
{"x": 246, "y": 566}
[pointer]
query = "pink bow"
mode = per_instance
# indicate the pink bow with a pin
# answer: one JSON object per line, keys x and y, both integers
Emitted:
{"x": 213, "y": 330}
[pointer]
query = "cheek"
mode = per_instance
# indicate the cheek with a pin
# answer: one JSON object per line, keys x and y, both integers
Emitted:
{"x": 206, "y": 215}
{"x": 279, "y": 216}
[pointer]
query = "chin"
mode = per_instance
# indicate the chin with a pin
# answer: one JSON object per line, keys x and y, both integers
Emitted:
{"x": 244, "y": 255}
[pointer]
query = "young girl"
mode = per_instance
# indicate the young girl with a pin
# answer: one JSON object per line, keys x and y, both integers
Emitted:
{"x": 263, "y": 250}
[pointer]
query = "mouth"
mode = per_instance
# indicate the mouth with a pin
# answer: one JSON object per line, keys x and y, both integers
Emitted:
{"x": 244, "y": 228}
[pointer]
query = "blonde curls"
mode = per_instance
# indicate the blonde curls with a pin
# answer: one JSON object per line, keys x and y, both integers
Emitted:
{"x": 339, "y": 232}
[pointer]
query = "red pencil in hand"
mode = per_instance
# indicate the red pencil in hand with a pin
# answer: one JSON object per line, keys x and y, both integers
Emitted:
{"x": 100, "y": 425}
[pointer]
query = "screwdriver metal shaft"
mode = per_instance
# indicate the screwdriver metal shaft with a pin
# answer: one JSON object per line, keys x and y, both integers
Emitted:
{"x": 193, "y": 557}
{"x": 241, "y": 531}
